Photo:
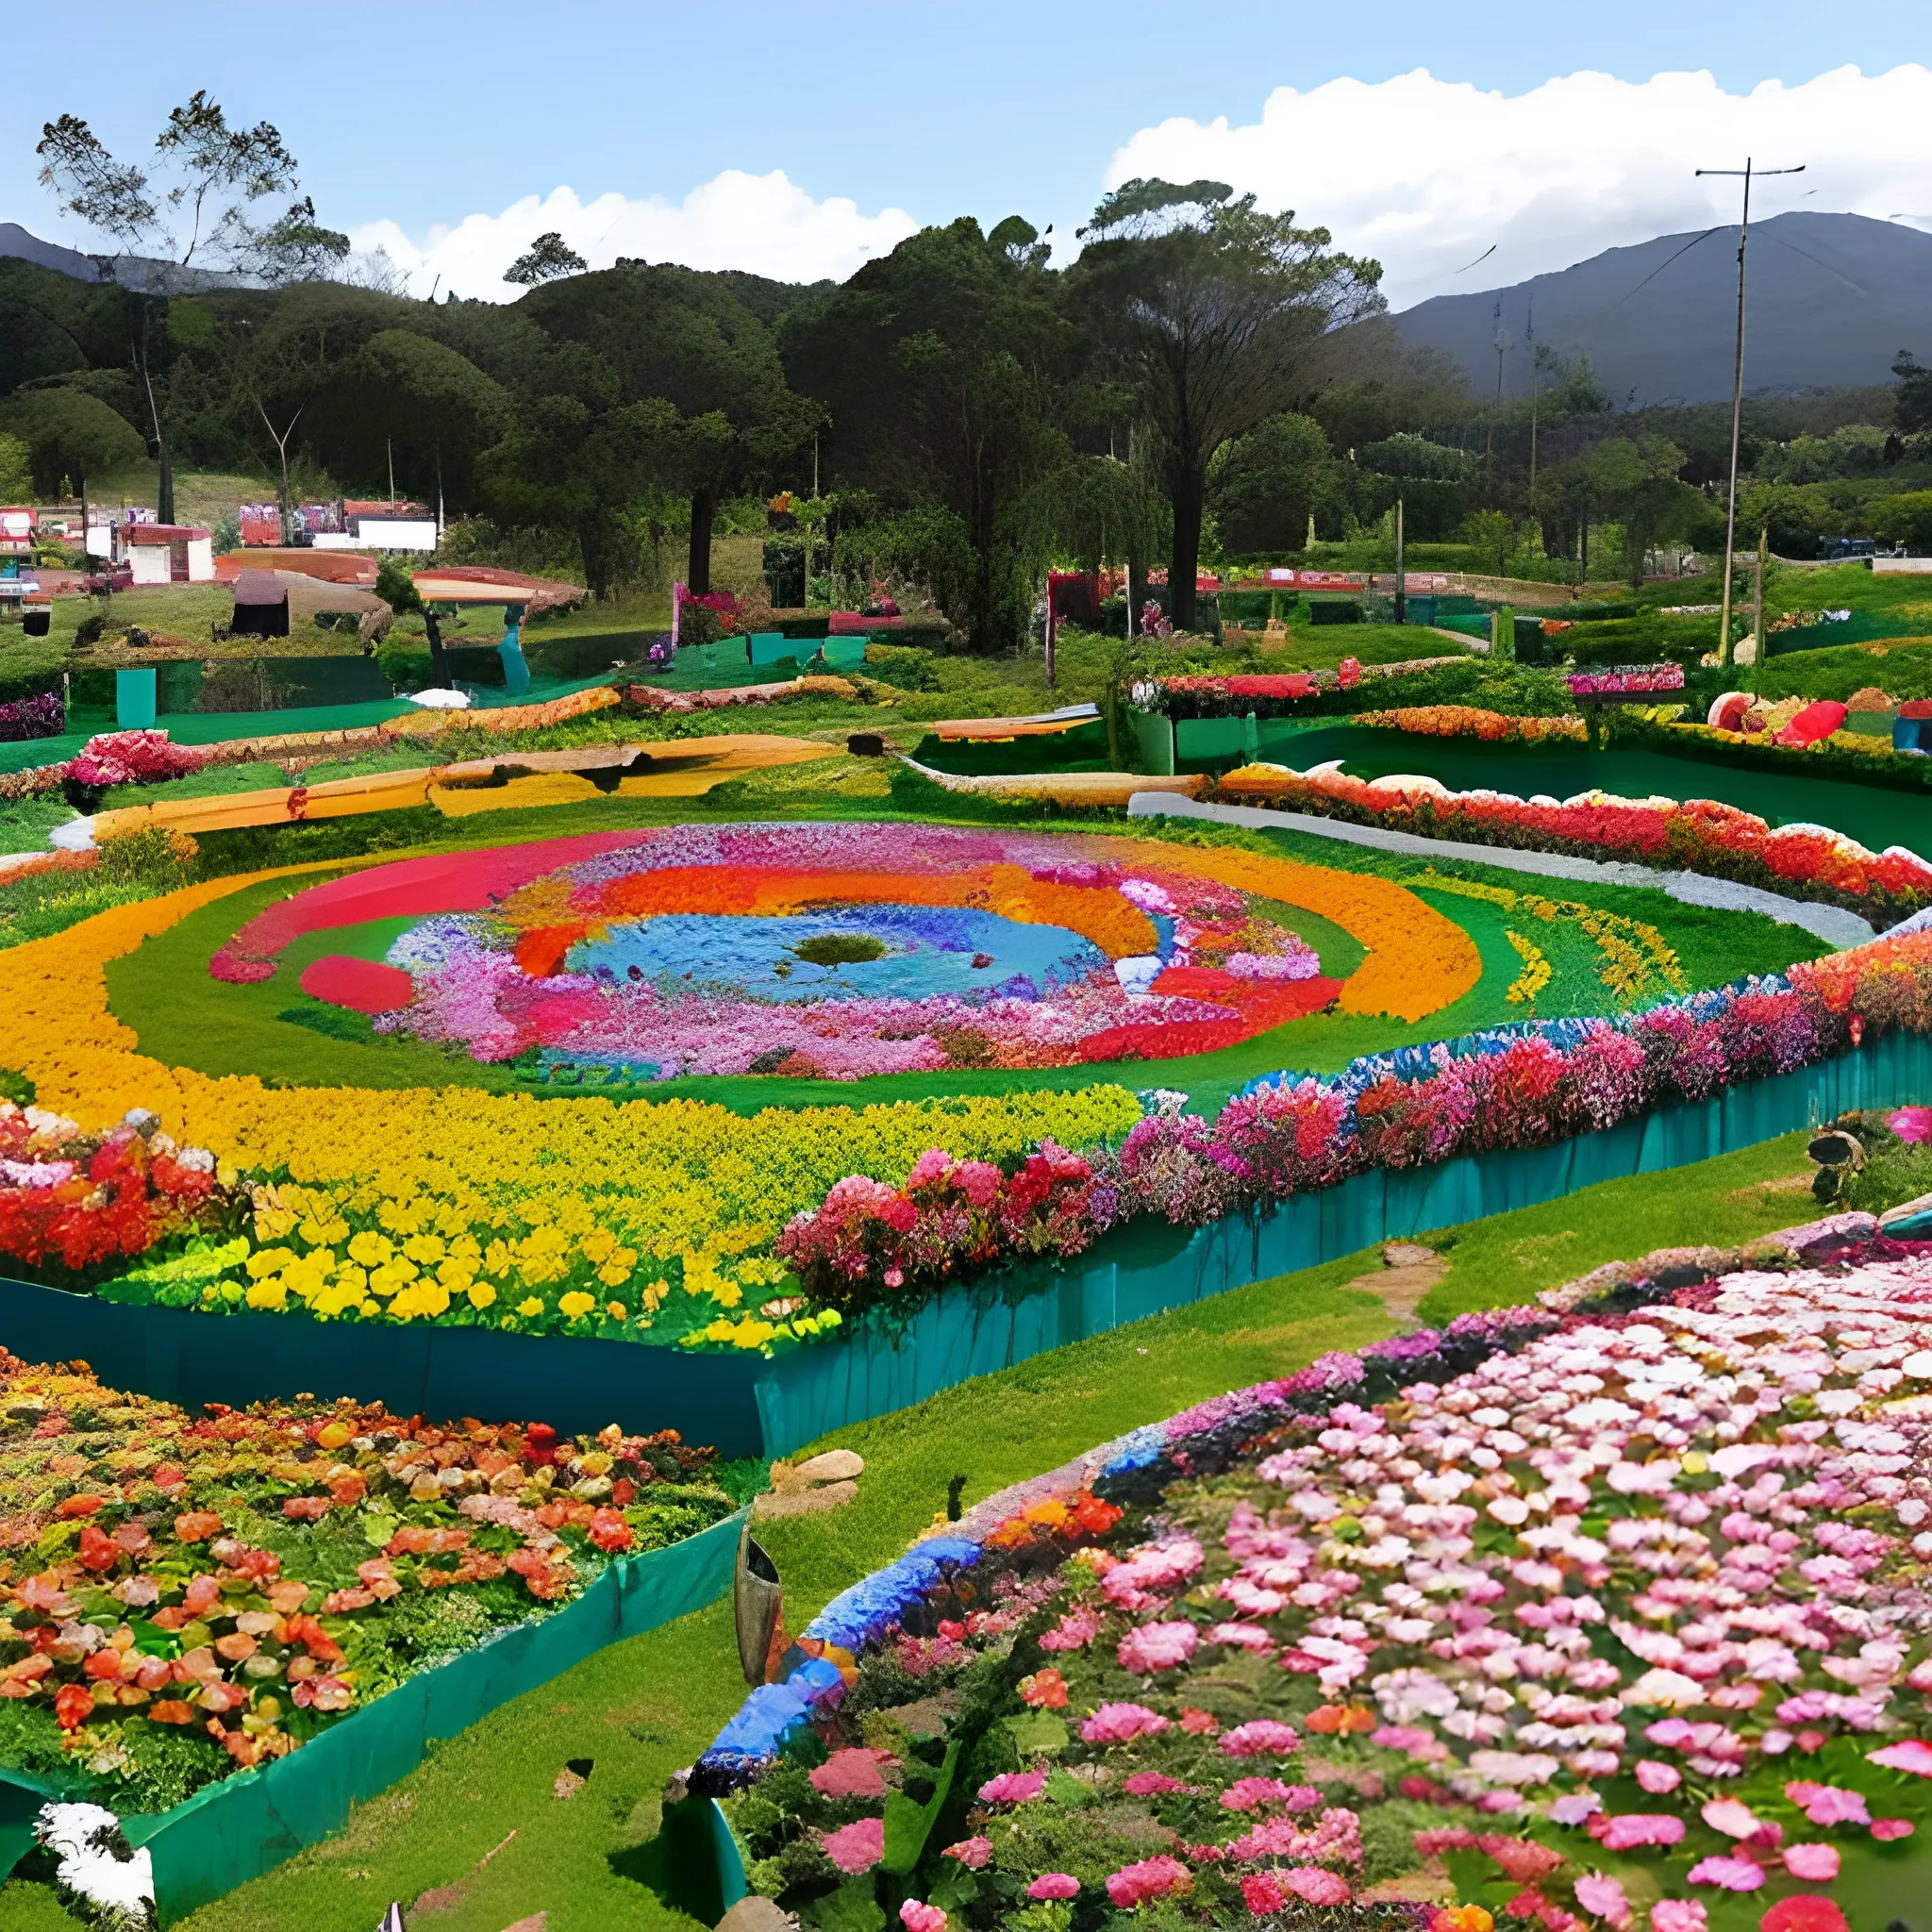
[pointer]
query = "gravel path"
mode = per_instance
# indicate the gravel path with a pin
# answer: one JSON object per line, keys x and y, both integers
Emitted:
{"x": 1832, "y": 923}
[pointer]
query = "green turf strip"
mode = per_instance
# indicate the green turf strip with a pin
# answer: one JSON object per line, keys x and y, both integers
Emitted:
{"x": 185, "y": 1017}
{"x": 643, "y": 1708}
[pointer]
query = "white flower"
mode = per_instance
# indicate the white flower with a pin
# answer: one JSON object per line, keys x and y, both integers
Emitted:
{"x": 92, "y": 1860}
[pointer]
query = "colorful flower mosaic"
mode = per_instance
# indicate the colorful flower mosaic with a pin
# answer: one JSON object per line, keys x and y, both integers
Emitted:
{"x": 838, "y": 950}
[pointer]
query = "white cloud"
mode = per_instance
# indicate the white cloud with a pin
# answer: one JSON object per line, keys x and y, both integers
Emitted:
{"x": 1424, "y": 174}
{"x": 763, "y": 223}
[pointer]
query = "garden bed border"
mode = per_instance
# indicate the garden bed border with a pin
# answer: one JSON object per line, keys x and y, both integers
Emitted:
{"x": 248, "y": 1823}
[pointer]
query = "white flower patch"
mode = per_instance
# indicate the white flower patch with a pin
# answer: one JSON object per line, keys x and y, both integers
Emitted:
{"x": 113, "y": 1884}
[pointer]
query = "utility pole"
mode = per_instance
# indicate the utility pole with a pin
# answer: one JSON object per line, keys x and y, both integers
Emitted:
{"x": 1758, "y": 610}
{"x": 1744, "y": 173}
{"x": 1401, "y": 573}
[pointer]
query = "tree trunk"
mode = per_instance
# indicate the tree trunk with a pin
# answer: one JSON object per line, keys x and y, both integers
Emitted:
{"x": 1188, "y": 495}
{"x": 439, "y": 664}
{"x": 1137, "y": 590}
{"x": 164, "y": 509}
{"x": 703, "y": 508}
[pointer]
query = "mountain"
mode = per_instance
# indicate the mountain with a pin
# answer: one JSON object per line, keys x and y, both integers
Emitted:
{"x": 15, "y": 240}
{"x": 1831, "y": 300}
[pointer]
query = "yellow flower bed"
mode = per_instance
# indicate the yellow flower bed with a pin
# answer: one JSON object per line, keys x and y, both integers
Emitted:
{"x": 1418, "y": 963}
{"x": 453, "y": 1203}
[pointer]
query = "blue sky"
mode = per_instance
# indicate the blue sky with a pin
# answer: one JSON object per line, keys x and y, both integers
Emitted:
{"x": 408, "y": 120}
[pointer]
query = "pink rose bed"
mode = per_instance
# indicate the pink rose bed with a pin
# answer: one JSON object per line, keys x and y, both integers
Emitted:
{"x": 1628, "y": 1626}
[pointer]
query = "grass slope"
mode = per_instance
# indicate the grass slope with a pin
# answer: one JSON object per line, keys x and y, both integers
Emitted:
{"x": 644, "y": 1708}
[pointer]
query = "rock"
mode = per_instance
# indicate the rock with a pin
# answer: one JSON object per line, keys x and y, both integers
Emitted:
{"x": 535, "y": 1922}
{"x": 756, "y": 1913}
{"x": 776, "y": 1505}
{"x": 834, "y": 1466}
{"x": 1407, "y": 1255}
{"x": 568, "y": 1784}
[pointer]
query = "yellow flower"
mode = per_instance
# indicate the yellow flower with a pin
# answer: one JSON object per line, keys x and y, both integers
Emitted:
{"x": 616, "y": 1310}
{"x": 424, "y": 1247}
{"x": 481, "y": 1295}
{"x": 530, "y": 1304}
{"x": 270, "y": 1293}
{"x": 370, "y": 1250}
{"x": 577, "y": 1303}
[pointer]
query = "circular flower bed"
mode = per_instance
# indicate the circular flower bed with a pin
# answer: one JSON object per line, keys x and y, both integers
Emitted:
{"x": 1607, "y": 1611}
{"x": 846, "y": 950}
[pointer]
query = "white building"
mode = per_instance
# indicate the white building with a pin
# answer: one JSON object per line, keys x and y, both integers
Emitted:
{"x": 169, "y": 553}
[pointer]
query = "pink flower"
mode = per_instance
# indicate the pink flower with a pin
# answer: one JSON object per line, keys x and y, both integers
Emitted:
{"x": 1815, "y": 1864}
{"x": 1657, "y": 1779}
{"x": 971, "y": 1852}
{"x": 1679, "y": 1915}
{"x": 1912, "y": 1755}
{"x": 856, "y": 1848}
{"x": 1241, "y": 1637}
{"x": 1911, "y": 1123}
{"x": 1312, "y": 1884}
{"x": 851, "y": 1774}
{"x": 1420, "y": 1744}
{"x": 1121, "y": 1724}
{"x": 1157, "y": 1647}
{"x": 1886, "y": 1829}
{"x": 1264, "y": 1892}
{"x": 1575, "y": 1807}
{"x": 1251, "y": 1793}
{"x": 1051, "y": 1885}
{"x": 1074, "y": 1631}
{"x": 1151, "y": 1784}
{"x": 1732, "y": 1874}
{"x": 1159, "y": 1877}
{"x": 1198, "y": 1723}
{"x": 1634, "y": 1828}
{"x": 1731, "y": 1817}
{"x": 1012, "y": 1788}
{"x": 1260, "y": 1738}
{"x": 921, "y": 1918}
{"x": 1827, "y": 1804}
{"x": 1603, "y": 1898}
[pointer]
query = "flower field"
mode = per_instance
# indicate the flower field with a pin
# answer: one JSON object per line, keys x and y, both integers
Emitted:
{"x": 1608, "y": 1611}
{"x": 743, "y": 952}
{"x": 184, "y": 1597}
{"x": 1697, "y": 835}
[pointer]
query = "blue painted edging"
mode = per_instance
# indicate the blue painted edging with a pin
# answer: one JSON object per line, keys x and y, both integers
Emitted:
{"x": 746, "y": 1405}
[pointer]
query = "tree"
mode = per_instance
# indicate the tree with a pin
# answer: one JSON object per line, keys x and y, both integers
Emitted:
{"x": 1214, "y": 312}
{"x": 16, "y": 469}
{"x": 431, "y": 407}
{"x": 672, "y": 335}
{"x": 200, "y": 202}
{"x": 1912, "y": 406}
{"x": 941, "y": 368}
{"x": 279, "y": 371}
{"x": 1264, "y": 487}
{"x": 69, "y": 437}
{"x": 568, "y": 466}
{"x": 547, "y": 258}
{"x": 1637, "y": 483}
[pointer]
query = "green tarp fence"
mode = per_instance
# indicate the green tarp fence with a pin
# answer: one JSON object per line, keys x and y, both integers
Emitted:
{"x": 746, "y": 1405}
{"x": 247, "y": 1824}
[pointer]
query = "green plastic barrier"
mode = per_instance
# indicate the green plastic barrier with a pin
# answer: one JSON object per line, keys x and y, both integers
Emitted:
{"x": 1154, "y": 734}
{"x": 746, "y": 1405}
{"x": 843, "y": 653}
{"x": 1214, "y": 738}
{"x": 233, "y": 1831}
{"x": 772, "y": 646}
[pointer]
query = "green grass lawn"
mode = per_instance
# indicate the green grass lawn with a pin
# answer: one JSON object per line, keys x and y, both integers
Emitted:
{"x": 646, "y": 1706}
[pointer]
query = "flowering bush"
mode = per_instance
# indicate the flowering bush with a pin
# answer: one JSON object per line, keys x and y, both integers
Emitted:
{"x": 1468, "y": 721}
{"x": 134, "y": 757}
{"x": 182, "y": 1597}
{"x": 1699, "y": 835}
{"x": 42, "y": 716}
{"x": 75, "y": 1204}
{"x": 1626, "y": 677}
{"x": 1568, "y": 1614}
